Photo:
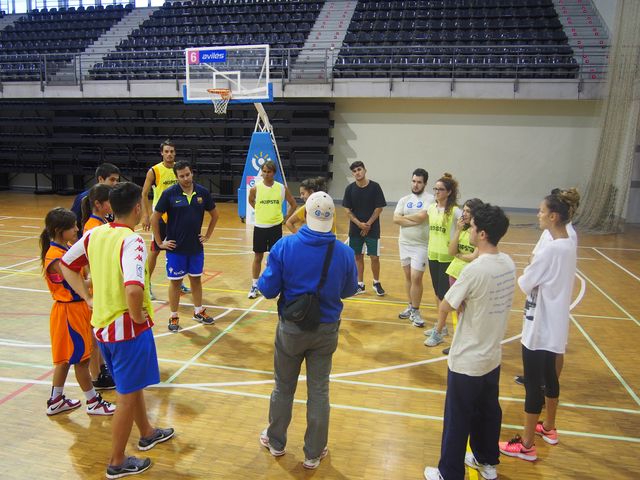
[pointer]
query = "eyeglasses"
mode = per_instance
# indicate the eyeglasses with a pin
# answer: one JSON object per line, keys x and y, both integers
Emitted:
{"x": 436, "y": 189}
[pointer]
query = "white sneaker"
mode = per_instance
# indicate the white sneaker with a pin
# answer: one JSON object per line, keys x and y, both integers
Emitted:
{"x": 406, "y": 313}
{"x": 434, "y": 339}
{"x": 254, "y": 292}
{"x": 488, "y": 472}
{"x": 98, "y": 406}
{"x": 313, "y": 463}
{"x": 416, "y": 319}
{"x": 61, "y": 404}
{"x": 432, "y": 473}
{"x": 443, "y": 333}
{"x": 264, "y": 441}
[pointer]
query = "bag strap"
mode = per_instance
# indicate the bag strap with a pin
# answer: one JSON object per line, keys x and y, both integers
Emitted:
{"x": 325, "y": 267}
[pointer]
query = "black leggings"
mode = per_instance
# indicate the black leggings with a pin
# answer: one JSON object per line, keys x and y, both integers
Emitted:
{"x": 439, "y": 277}
{"x": 540, "y": 378}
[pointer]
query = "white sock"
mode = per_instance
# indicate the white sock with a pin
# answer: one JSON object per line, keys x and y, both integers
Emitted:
{"x": 375, "y": 281}
{"x": 56, "y": 392}
{"x": 174, "y": 314}
{"x": 199, "y": 309}
{"x": 90, "y": 394}
{"x": 361, "y": 284}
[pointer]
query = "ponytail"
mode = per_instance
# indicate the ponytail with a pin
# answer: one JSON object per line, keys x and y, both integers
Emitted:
{"x": 86, "y": 211}
{"x": 98, "y": 193}
{"x": 57, "y": 220}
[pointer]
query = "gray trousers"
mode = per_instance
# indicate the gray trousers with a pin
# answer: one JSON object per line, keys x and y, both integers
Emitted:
{"x": 292, "y": 347}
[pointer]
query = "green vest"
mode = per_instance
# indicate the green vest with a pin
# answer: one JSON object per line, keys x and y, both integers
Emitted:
{"x": 464, "y": 247}
{"x": 109, "y": 297}
{"x": 439, "y": 234}
{"x": 269, "y": 204}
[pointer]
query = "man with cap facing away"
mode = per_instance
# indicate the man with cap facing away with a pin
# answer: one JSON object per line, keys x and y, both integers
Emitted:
{"x": 294, "y": 268}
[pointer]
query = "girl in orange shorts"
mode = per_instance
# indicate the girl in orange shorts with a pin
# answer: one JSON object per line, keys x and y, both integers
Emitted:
{"x": 70, "y": 327}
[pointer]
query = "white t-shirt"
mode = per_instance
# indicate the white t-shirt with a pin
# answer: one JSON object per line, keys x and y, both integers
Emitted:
{"x": 417, "y": 234}
{"x": 487, "y": 286}
{"x": 546, "y": 237}
{"x": 548, "y": 284}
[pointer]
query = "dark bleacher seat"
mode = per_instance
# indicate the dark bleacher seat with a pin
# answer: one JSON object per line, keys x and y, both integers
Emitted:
{"x": 177, "y": 25}
{"x": 53, "y": 36}
{"x": 532, "y": 26}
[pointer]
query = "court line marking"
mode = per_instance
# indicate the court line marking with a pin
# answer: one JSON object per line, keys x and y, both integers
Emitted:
{"x": 16, "y": 241}
{"x": 339, "y": 381}
{"x": 246, "y": 228}
{"x": 340, "y": 407}
{"x": 608, "y": 297}
{"x": 618, "y": 265}
{"x": 606, "y": 361}
{"x": 212, "y": 342}
{"x": 20, "y": 272}
{"x": 20, "y": 263}
{"x": 30, "y": 226}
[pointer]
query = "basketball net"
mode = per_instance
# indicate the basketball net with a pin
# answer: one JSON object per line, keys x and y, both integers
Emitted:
{"x": 220, "y": 98}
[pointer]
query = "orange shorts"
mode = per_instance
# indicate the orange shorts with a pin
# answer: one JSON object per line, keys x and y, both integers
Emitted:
{"x": 71, "y": 332}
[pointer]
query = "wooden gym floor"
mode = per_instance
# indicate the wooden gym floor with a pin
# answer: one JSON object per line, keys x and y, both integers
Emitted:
{"x": 387, "y": 394}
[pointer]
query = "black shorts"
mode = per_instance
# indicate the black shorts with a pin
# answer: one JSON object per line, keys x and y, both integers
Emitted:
{"x": 264, "y": 238}
{"x": 163, "y": 231}
{"x": 439, "y": 278}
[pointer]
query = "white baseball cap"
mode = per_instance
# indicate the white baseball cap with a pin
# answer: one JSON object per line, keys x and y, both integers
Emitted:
{"x": 320, "y": 211}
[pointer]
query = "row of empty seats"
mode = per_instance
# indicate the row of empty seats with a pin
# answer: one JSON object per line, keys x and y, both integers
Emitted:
{"x": 479, "y": 28}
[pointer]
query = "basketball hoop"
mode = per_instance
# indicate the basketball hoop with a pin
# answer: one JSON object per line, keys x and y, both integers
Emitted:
{"x": 220, "y": 98}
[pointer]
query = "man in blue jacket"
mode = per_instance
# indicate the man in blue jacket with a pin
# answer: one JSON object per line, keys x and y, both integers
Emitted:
{"x": 294, "y": 268}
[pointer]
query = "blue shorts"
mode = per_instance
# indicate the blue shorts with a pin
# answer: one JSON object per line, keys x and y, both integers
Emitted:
{"x": 180, "y": 264}
{"x": 132, "y": 363}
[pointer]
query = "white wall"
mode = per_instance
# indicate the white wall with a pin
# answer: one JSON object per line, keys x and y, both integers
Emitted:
{"x": 607, "y": 10}
{"x": 506, "y": 152}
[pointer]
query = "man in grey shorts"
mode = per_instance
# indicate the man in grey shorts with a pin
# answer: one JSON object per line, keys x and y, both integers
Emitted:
{"x": 294, "y": 267}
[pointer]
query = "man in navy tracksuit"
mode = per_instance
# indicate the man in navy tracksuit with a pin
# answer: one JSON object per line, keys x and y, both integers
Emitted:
{"x": 294, "y": 268}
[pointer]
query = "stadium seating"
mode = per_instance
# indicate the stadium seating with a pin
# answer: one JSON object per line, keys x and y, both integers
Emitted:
{"x": 456, "y": 38}
{"x": 155, "y": 49}
{"x": 43, "y": 41}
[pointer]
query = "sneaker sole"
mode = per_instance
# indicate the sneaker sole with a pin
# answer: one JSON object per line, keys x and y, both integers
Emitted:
{"x": 274, "y": 452}
{"x": 419, "y": 325}
{"x": 160, "y": 440}
{"x": 432, "y": 344}
{"x": 203, "y": 322}
{"x": 127, "y": 474}
{"x": 51, "y": 414}
{"x": 314, "y": 466}
{"x": 550, "y": 441}
{"x": 478, "y": 468}
{"x": 112, "y": 387}
{"x": 522, "y": 456}
{"x": 101, "y": 413}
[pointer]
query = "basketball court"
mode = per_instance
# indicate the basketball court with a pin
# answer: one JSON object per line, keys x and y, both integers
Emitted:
{"x": 387, "y": 389}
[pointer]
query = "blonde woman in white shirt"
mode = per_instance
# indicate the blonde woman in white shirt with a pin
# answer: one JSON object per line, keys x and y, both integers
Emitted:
{"x": 548, "y": 283}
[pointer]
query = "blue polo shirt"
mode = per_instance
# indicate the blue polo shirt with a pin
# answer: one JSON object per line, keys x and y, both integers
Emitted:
{"x": 185, "y": 216}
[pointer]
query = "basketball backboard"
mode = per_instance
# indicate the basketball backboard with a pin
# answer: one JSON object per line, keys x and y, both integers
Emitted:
{"x": 242, "y": 69}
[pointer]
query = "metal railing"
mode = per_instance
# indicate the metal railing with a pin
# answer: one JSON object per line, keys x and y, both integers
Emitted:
{"x": 512, "y": 62}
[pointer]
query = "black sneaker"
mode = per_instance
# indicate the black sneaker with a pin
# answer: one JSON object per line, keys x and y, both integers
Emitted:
{"x": 202, "y": 317}
{"x": 446, "y": 351}
{"x": 360, "y": 289}
{"x": 174, "y": 324}
{"x": 519, "y": 379}
{"x": 130, "y": 466}
{"x": 159, "y": 435}
{"x": 104, "y": 381}
{"x": 377, "y": 287}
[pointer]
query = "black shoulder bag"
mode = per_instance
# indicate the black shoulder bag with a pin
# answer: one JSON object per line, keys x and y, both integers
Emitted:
{"x": 304, "y": 310}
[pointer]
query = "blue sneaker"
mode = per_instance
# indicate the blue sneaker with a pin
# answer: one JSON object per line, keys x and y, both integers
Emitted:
{"x": 159, "y": 435}
{"x": 184, "y": 288}
{"x": 130, "y": 466}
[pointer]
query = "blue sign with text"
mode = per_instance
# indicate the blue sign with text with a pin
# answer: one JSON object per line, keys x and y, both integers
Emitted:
{"x": 213, "y": 56}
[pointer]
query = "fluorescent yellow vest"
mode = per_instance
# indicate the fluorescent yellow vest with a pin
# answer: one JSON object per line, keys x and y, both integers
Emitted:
{"x": 109, "y": 298}
{"x": 269, "y": 204}
{"x": 439, "y": 234}
{"x": 165, "y": 177}
{"x": 464, "y": 247}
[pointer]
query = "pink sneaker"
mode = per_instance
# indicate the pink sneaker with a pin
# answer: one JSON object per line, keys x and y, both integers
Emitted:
{"x": 515, "y": 448}
{"x": 549, "y": 436}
